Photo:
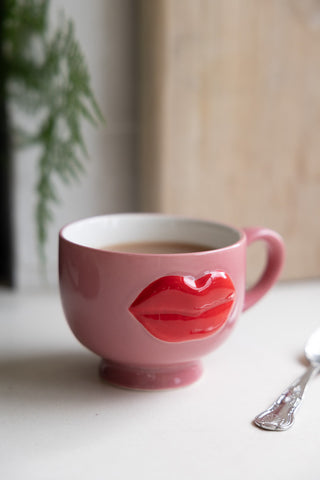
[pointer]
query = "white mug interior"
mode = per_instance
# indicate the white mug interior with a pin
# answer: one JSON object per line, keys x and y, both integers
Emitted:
{"x": 100, "y": 231}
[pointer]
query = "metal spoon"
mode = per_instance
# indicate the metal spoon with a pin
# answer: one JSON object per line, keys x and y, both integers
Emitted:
{"x": 281, "y": 414}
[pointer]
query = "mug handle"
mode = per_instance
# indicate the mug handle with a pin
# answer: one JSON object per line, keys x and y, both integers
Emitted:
{"x": 275, "y": 260}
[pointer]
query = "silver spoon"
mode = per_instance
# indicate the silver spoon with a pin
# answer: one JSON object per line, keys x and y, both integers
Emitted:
{"x": 281, "y": 414}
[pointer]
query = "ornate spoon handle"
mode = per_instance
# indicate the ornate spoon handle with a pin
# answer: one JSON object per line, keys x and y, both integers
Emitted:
{"x": 281, "y": 414}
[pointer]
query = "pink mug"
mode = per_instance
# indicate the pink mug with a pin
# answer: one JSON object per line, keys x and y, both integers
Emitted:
{"x": 152, "y": 316}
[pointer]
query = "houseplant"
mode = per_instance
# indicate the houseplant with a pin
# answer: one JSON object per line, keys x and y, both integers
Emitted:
{"x": 44, "y": 76}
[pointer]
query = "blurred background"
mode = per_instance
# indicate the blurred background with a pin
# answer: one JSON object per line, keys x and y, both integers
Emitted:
{"x": 212, "y": 109}
{"x": 105, "y": 31}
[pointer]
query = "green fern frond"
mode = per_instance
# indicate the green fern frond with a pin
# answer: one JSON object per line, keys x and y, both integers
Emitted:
{"x": 48, "y": 78}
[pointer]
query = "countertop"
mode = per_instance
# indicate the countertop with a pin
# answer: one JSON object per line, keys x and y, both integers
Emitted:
{"x": 58, "y": 420}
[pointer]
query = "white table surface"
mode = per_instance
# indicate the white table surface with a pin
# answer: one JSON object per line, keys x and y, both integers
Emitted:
{"x": 59, "y": 421}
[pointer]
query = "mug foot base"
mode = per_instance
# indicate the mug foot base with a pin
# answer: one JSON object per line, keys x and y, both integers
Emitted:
{"x": 150, "y": 378}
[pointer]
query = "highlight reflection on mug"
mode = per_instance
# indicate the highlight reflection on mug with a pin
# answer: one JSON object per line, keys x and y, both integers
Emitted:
{"x": 83, "y": 274}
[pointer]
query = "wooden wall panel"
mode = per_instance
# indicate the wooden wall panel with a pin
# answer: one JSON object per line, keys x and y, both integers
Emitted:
{"x": 230, "y": 117}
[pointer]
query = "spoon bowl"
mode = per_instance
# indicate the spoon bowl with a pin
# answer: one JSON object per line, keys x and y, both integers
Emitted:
{"x": 312, "y": 348}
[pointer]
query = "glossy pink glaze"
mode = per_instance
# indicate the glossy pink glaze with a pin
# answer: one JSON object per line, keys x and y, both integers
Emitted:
{"x": 275, "y": 251}
{"x": 102, "y": 291}
{"x": 152, "y": 378}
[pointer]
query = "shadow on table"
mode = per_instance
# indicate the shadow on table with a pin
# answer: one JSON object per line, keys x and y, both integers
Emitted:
{"x": 55, "y": 378}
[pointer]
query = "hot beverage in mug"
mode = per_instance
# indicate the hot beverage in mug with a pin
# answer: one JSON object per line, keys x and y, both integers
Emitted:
{"x": 158, "y": 247}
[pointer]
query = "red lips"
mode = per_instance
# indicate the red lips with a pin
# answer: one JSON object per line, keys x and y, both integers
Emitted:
{"x": 180, "y": 308}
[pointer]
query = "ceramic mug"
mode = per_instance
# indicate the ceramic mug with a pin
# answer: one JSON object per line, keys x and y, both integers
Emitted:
{"x": 151, "y": 317}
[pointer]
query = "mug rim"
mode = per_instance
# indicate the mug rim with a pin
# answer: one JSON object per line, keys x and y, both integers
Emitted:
{"x": 181, "y": 218}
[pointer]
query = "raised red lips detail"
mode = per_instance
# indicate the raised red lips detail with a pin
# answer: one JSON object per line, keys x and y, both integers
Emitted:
{"x": 180, "y": 308}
